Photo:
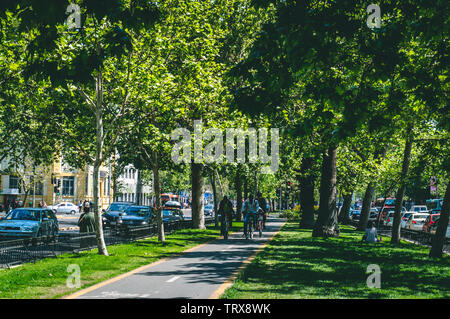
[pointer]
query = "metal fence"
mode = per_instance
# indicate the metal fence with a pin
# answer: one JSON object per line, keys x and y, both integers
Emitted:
{"x": 415, "y": 236}
{"x": 19, "y": 251}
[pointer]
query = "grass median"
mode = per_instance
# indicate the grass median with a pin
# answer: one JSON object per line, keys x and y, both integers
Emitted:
{"x": 47, "y": 277}
{"x": 295, "y": 265}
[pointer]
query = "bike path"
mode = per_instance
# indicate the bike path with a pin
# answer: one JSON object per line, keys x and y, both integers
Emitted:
{"x": 198, "y": 273}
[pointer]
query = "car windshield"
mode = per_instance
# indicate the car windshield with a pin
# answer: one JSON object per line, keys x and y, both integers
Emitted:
{"x": 137, "y": 211}
{"x": 167, "y": 212}
{"x": 419, "y": 209}
{"x": 209, "y": 206}
{"x": 23, "y": 214}
{"x": 118, "y": 207}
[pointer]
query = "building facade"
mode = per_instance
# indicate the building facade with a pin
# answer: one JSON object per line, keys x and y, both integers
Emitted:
{"x": 54, "y": 184}
{"x": 130, "y": 187}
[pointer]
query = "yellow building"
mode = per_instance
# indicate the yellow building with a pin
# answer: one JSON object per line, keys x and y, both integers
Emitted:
{"x": 74, "y": 185}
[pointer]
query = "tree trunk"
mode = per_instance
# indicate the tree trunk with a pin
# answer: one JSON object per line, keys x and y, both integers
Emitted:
{"x": 97, "y": 163}
{"x": 345, "y": 210}
{"x": 244, "y": 176}
{"x": 367, "y": 203}
{"x": 98, "y": 217}
{"x": 307, "y": 193}
{"x": 238, "y": 186}
{"x": 326, "y": 224}
{"x": 439, "y": 238}
{"x": 395, "y": 239}
{"x": 198, "y": 219}
{"x": 159, "y": 214}
{"x": 212, "y": 179}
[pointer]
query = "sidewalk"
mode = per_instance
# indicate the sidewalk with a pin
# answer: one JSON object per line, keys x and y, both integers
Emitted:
{"x": 199, "y": 273}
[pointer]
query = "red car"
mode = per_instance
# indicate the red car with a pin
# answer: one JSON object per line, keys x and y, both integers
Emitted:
{"x": 429, "y": 222}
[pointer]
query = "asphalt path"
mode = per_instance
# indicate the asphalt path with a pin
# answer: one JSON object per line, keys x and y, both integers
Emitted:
{"x": 198, "y": 273}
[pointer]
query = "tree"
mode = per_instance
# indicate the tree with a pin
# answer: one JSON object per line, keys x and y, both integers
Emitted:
{"x": 85, "y": 62}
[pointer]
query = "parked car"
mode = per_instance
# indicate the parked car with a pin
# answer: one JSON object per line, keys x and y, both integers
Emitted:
{"x": 373, "y": 214}
{"x": 65, "y": 208}
{"x": 137, "y": 216}
{"x": 431, "y": 219}
{"x": 390, "y": 218}
{"x": 435, "y": 225}
{"x": 29, "y": 222}
{"x": 112, "y": 216}
{"x": 386, "y": 210}
{"x": 172, "y": 204}
{"x": 416, "y": 221}
{"x": 172, "y": 215}
{"x": 418, "y": 209}
{"x": 355, "y": 215}
{"x": 208, "y": 210}
{"x": 118, "y": 206}
{"x": 405, "y": 217}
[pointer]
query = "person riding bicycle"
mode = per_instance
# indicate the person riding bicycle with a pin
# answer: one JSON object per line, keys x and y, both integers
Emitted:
{"x": 250, "y": 208}
{"x": 225, "y": 211}
{"x": 262, "y": 205}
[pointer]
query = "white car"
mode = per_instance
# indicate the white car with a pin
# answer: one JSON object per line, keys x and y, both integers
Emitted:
{"x": 418, "y": 209}
{"x": 66, "y": 208}
{"x": 390, "y": 218}
{"x": 405, "y": 217}
{"x": 416, "y": 221}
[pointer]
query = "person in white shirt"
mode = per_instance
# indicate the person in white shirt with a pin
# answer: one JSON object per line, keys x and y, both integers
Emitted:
{"x": 370, "y": 235}
{"x": 249, "y": 209}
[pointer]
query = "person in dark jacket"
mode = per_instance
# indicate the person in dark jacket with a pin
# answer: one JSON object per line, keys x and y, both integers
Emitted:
{"x": 86, "y": 222}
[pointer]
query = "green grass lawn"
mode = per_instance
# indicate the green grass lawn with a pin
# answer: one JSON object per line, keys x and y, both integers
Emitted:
{"x": 295, "y": 265}
{"x": 47, "y": 277}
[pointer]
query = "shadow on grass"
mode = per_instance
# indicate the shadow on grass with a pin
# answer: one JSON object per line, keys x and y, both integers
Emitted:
{"x": 295, "y": 265}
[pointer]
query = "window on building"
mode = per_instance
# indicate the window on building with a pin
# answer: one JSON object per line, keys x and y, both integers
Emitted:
{"x": 13, "y": 182}
{"x": 68, "y": 186}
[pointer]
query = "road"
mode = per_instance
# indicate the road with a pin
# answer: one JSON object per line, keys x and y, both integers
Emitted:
{"x": 68, "y": 223}
{"x": 197, "y": 273}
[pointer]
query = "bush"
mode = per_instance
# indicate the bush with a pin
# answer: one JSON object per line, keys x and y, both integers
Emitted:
{"x": 292, "y": 214}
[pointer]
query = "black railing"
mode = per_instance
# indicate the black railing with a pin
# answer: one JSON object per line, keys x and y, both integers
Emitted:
{"x": 19, "y": 251}
{"x": 416, "y": 236}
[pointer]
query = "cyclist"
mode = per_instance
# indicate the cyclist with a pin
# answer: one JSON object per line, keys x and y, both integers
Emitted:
{"x": 225, "y": 211}
{"x": 249, "y": 209}
{"x": 262, "y": 205}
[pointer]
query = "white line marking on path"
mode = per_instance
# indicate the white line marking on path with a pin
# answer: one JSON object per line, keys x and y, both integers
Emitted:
{"x": 173, "y": 279}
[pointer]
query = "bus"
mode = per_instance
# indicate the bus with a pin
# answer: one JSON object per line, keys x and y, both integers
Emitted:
{"x": 434, "y": 206}
{"x": 169, "y": 197}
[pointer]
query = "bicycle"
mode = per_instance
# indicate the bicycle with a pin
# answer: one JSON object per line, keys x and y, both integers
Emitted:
{"x": 224, "y": 230}
{"x": 260, "y": 224}
{"x": 249, "y": 226}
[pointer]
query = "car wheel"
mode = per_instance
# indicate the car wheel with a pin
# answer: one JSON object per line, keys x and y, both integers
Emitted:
{"x": 72, "y": 212}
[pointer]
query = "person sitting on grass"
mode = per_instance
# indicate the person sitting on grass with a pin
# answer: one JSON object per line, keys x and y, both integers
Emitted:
{"x": 371, "y": 235}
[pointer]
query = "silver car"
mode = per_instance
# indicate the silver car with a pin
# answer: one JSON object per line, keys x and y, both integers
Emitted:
{"x": 66, "y": 208}
{"x": 416, "y": 221}
{"x": 29, "y": 222}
